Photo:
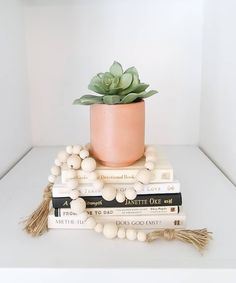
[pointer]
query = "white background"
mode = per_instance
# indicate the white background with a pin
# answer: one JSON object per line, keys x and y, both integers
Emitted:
{"x": 183, "y": 48}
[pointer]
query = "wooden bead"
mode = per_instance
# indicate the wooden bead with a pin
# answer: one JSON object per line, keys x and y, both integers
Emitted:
{"x": 51, "y": 179}
{"x": 110, "y": 230}
{"x": 121, "y": 233}
{"x": 83, "y": 216}
{"x": 55, "y": 170}
{"x": 76, "y": 149}
{"x": 144, "y": 176}
{"x": 78, "y": 205}
{"x": 74, "y": 194}
{"x": 74, "y": 162}
{"x": 151, "y": 157}
{"x": 92, "y": 176}
{"x": 130, "y": 194}
{"x": 141, "y": 236}
{"x": 108, "y": 192}
{"x": 72, "y": 184}
{"x": 131, "y": 234}
{"x": 91, "y": 222}
{"x": 120, "y": 197}
{"x": 98, "y": 228}
{"x": 149, "y": 165}
{"x": 138, "y": 187}
{"x": 57, "y": 162}
{"x": 62, "y": 156}
{"x": 98, "y": 185}
{"x": 88, "y": 164}
{"x": 69, "y": 149}
{"x": 84, "y": 153}
{"x": 71, "y": 174}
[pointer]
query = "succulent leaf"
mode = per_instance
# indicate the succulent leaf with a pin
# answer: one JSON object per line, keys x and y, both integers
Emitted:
{"x": 132, "y": 70}
{"x": 96, "y": 89}
{"x": 125, "y": 80}
{"x": 148, "y": 94}
{"x": 135, "y": 82}
{"x": 116, "y": 69}
{"x": 140, "y": 88}
{"x": 89, "y": 99}
{"x": 111, "y": 99}
{"x": 131, "y": 97}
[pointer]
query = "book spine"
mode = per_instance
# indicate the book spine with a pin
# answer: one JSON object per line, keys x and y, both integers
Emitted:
{"x": 122, "y": 176}
{"x": 119, "y": 211}
{"x": 88, "y": 190}
{"x": 135, "y": 222}
{"x": 140, "y": 201}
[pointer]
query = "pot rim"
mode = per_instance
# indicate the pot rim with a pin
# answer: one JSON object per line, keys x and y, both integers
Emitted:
{"x": 118, "y": 105}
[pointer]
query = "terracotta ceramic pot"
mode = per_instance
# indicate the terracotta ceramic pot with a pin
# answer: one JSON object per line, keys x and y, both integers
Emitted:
{"x": 117, "y": 133}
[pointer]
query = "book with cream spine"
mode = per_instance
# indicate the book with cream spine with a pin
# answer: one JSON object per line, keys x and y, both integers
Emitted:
{"x": 60, "y": 190}
{"x": 136, "y": 222}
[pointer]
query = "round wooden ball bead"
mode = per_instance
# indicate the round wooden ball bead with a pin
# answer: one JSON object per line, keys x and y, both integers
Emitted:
{"x": 141, "y": 236}
{"x": 72, "y": 184}
{"x": 74, "y": 194}
{"x": 51, "y": 179}
{"x": 131, "y": 234}
{"x": 76, "y": 149}
{"x": 98, "y": 185}
{"x": 91, "y": 222}
{"x": 144, "y": 176}
{"x": 98, "y": 228}
{"x": 55, "y": 170}
{"x": 71, "y": 174}
{"x": 110, "y": 230}
{"x": 69, "y": 149}
{"x": 108, "y": 192}
{"x": 74, "y": 162}
{"x": 88, "y": 164}
{"x": 149, "y": 165}
{"x": 84, "y": 153}
{"x": 120, "y": 197}
{"x": 121, "y": 233}
{"x": 62, "y": 156}
{"x": 83, "y": 216}
{"x": 92, "y": 176}
{"x": 152, "y": 157}
{"x": 130, "y": 194}
{"x": 57, "y": 162}
{"x": 78, "y": 205}
{"x": 138, "y": 187}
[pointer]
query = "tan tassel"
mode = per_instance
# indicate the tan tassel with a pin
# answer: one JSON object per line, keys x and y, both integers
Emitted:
{"x": 198, "y": 238}
{"x": 37, "y": 223}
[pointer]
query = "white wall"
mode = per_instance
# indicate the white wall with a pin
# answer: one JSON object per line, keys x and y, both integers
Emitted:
{"x": 15, "y": 136}
{"x": 218, "y": 107}
{"x": 70, "y": 41}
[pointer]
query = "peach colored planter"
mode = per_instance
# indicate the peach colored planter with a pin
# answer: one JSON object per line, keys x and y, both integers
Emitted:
{"x": 117, "y": 133}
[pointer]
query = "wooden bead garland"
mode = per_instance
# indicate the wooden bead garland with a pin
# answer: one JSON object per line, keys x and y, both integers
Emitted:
{"x": 76, "y": 157}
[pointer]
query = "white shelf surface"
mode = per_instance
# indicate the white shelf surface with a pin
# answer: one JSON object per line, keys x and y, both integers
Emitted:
{"x": 209, "y": 200}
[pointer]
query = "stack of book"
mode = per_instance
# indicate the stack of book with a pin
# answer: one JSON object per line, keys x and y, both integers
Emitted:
{"x": 158, "y": 205}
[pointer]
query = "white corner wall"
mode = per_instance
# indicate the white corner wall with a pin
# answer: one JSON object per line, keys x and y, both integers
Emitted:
{"x": 15, "y": 136}
{"x": 218, "y": 106}
{"x": 70, "y": 41}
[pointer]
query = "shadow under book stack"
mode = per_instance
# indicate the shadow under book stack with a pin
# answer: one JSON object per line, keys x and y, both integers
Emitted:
{"x": 158, "y": 205}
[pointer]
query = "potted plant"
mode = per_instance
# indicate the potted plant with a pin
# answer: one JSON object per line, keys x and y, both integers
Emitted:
{"x": 117, "y": 115}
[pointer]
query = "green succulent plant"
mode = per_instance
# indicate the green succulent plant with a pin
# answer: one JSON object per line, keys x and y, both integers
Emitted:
{"x": 116, "y": 87}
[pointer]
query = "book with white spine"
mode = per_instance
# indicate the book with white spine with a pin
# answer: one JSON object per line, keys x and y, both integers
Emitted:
{"x": 60, "y": 190}
{"x": 136, "y": 222}
{"x": 163, "y": 172}
{"x": 119, "y": 211}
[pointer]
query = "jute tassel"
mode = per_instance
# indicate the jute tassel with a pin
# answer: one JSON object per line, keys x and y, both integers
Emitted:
{"x": 37, "y": 223}
{"x": 198, "y": 238}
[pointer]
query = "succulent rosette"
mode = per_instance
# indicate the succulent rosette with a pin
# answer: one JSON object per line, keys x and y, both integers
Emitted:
{"x": 116, "y": 87}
